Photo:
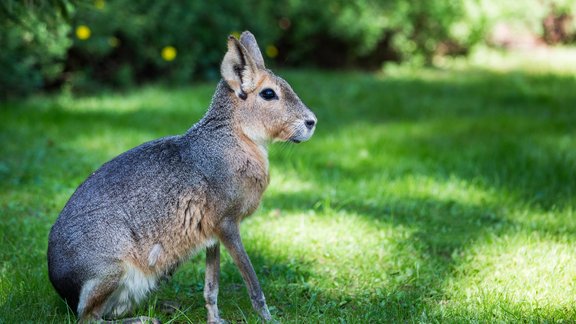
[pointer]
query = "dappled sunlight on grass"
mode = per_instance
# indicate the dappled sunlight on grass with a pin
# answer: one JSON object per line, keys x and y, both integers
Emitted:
{"x": 106, "y": 142}
{"x": 288, "y": 181}
{"x": 451, "y": 189}
{"x": 557, "y": 61}
{"x": 518, "y": 274}
{"x": 336, "y": 248}
{"x": 147, "y": 98}
{"x": 554, "y": 221}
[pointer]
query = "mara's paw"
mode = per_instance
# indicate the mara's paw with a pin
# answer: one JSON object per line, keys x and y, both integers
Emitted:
{"x": 217, "y": 321}
{"x": 140, "y": 320}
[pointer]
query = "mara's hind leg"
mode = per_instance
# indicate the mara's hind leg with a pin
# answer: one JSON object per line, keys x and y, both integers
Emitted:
{"x": 95, "y": 297}
{"x": 113, "y": 295}
{"x": 211, "y": 283}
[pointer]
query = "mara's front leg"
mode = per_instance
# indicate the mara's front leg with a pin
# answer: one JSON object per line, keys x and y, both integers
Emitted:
{"x": 211, "y": 282}
{"x": 230, "y": 236}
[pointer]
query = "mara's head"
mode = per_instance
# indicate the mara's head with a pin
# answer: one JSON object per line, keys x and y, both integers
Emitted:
{"x": 266, "y": 107}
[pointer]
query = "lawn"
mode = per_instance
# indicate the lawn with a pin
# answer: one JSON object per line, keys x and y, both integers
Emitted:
{"x": 445, "y": 194}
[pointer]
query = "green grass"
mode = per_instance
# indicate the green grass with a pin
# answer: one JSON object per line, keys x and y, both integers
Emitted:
{"x": 433, "y": 195}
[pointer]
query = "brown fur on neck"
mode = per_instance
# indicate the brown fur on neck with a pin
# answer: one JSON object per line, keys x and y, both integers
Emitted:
{"x": 251, "y": 165}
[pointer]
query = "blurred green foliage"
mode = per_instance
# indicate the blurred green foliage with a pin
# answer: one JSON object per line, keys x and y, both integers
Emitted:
{"x": 33, "y": 44}
{"x": 127, "y": 38}
{"x": 82, "y": 45}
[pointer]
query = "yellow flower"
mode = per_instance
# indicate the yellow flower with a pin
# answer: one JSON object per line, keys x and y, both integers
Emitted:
{"x": 83, "y": 32}
{"x": 168, "y": 53}
{"x": 99, "y": 4}
{"x": 271, "y": 51}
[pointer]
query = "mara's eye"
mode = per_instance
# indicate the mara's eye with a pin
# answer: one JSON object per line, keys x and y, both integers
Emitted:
{"x": 268, "y": 94}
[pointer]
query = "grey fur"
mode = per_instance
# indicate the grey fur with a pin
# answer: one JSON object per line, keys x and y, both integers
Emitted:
{"x": 153, "y": 206}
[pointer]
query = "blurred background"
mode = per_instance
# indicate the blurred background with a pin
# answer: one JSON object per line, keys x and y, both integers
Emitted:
{"x": 85, "y": 46}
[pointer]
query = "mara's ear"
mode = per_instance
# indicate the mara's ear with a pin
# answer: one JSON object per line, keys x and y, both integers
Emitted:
{"x": 249, "y": 42}
{"x": 238, "y": 69}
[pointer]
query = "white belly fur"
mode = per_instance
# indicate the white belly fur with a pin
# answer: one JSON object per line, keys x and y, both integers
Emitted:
{"x": 136, "y": 284}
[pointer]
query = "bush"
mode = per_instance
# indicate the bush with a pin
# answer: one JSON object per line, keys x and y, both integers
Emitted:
{"x": 144, "y": 40}
{"x": 539, "y": 17}
{"x": 33, "y": 42}
{"x": 127, "y": 38}
{"x": 361, "y": 32}
{"x": 120, "y": 43}
{"x": 368, "y": 32}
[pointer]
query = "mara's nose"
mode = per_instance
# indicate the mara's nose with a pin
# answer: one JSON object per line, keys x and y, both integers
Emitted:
{"x": 310, "y": 123}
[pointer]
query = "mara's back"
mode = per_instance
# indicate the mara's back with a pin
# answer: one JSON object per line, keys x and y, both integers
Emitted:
{"x": 139, "y": 199}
